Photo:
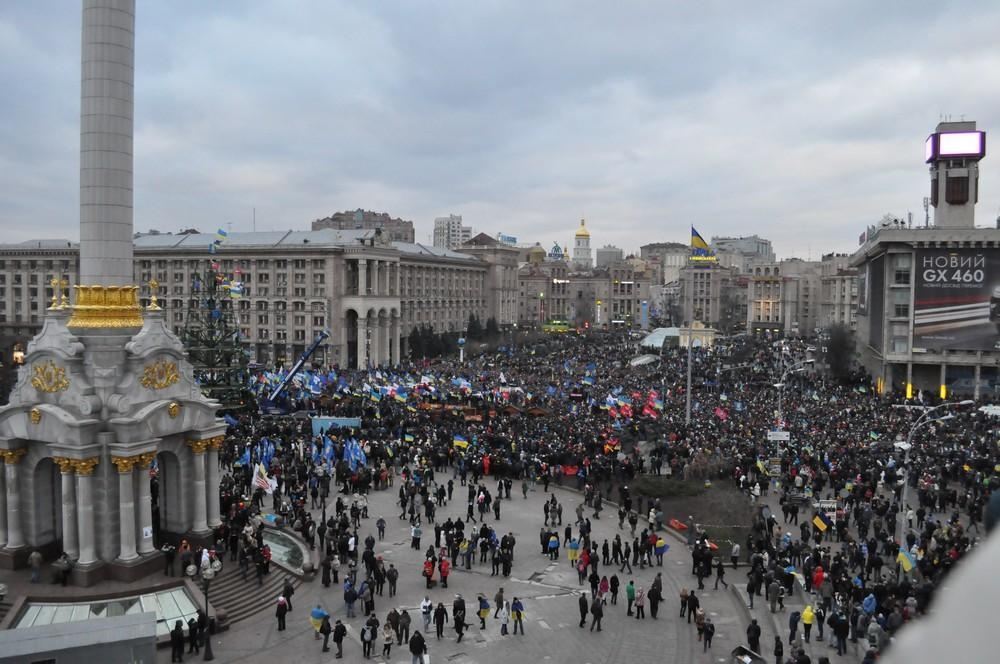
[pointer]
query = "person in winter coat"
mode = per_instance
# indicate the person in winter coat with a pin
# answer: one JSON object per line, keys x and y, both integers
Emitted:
{"x": 280, "y": 613}
{"x": 807, "y": 621}
{"x": 325, "y": 629}
{"x": 584, "y": 609}
{"x": 693, "y": 604}
{"x": 177, "y": 642}
{"x": 630, "y": 595}
{"x": 418, "y": 647}
{"x": 404, "y": 627}
{"x": 640, "y": 604}
{"x": 387, "y": 638}
{"x": 517, "y": 613}
{"x": 440, "y": 618}
{"x": 793, "y": 626}
{"x": 597, "y": 611}
{"x": 339, "y": 632}
{"x": 484, "y": 611}
{"x": 779, "y": 651}
{"x": 504, "y": 618}
{"x": 753, "y": 636}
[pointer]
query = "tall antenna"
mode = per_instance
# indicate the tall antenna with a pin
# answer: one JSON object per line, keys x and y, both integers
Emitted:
{"x": 255, "y": 220}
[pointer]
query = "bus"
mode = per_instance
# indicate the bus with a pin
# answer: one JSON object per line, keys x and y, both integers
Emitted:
{"x": 556, "y": 326}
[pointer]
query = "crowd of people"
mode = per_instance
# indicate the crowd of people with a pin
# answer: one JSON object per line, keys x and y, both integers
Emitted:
{"x": 574, "y": 410}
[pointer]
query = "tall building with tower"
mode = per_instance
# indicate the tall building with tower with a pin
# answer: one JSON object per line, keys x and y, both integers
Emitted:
{"x": 581, "y": 248}
{"x": 953, "y": 152}
{"x": 929, "y": 297}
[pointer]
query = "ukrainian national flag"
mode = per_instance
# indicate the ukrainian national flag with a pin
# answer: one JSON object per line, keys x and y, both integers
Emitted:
{"x": 408, "y": 437}
{"x": 460, "y": 442}
{"x": 700, "y": 251}
{"x": 221, "y": 234}
{"x": 822, "y": 522}
{"x": 905, "y": 558}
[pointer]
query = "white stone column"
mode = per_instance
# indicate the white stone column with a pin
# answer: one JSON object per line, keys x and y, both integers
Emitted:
{"x": 377, "y": 278}
{"x": 373, "y": 351}
{"x": 362, "y": 342}
{"x": 126, "y": 508}
{"x": 212, "y": 490}
{"x": 70, "y": 543}
{"x": 15, "y": 536}
{"x": 85, "y": 508}
{"x": 394, "y": 340}
{"x": 200, "y": 524}
{"x": 106, "y": 108}
{"x": 362, "y": 277}
{"x": 145, "y": 505}
{"x": 3, "y": 507}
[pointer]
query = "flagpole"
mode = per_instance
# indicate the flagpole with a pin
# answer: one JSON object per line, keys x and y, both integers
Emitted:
{"x": 687, "y": 393}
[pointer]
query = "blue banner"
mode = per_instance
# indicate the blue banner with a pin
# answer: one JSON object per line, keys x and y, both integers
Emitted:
{"x": 326, "y": 423}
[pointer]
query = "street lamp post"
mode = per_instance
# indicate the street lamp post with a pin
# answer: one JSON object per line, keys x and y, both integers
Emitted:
{"x": 207, "y": 575}
{"x": 798, "y": 367}
{"x": 923, "y": 420}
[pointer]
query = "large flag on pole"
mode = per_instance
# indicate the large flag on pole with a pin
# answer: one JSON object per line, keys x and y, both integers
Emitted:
{"x": 262, "y": 481}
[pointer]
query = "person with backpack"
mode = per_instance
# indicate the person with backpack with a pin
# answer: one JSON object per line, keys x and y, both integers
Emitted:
{"x": 367, "y": 640}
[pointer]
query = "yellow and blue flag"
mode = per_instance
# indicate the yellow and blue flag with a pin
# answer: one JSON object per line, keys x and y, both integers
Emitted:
{"x": 700, "y": 251}
{"x": 460, "y": 442}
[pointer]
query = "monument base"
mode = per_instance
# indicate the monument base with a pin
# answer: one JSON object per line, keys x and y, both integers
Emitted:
{"x": 14, "y": 558}
{"x": 133, "y": 570}
{"x": 88, "y": 575}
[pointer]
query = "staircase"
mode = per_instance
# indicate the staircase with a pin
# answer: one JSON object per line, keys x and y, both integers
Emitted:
{"x": 5, "y": 606}
{"x": 242, "y": 599}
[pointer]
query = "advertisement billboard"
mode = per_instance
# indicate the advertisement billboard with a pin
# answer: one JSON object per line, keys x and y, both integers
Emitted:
{"x": 956, "y": 300}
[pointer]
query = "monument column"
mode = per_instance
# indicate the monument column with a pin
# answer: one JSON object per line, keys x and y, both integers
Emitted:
{"x": 198, "y": 447}
{"x": 126, "y": 507}
{"x": 394, "y": 340}
{"x": 69, "y": 544}
{"x": 145, "y": 504}
{"x": 12, "y": 459}
{"x": 85, "y": 508}
{"x": 362, "y": 277}
{"x": 3, "y": 508}
{"x": 362, "y": 342}
{"x": 212, "y": 459}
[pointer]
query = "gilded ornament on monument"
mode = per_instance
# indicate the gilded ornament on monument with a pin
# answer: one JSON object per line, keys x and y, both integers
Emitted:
{"x": 13, "y": 457}
{"x": 85, "y": 466}
{"x": 106, "y": 307}
{"x": 124, "y": 464}
{"x": 35, "y": 415}
{"x": 47, "y": 377}
{"x": 174, "y": 409}
{"x": 159, "y": 374}
{"x": 199, "y": 446}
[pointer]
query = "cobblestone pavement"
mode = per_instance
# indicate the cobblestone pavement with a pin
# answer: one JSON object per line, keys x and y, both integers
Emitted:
{"x": 548, "y": 589}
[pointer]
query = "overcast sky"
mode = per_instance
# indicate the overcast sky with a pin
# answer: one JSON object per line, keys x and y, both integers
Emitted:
{"x": 802, "y": 122}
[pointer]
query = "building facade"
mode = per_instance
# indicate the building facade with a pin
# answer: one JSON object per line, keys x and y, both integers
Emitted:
{"x": 670, "y": 256}
{"x": 839, "y": 288}
{"x": 606, "y": 255}
{"x": 449, "y": 233}
{"x": 751, "y": 246}
{"x": 366, "y": 290}
{"x": 398, "y": 230}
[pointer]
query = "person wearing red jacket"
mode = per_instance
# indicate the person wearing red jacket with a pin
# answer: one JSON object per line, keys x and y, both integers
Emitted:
{"x": 818, "y": 576}
{"x": 444, "y": 567}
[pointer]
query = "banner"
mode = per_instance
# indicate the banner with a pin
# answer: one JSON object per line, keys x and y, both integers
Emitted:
{"x": 327, "y": 423}
{"x": 956, "y": 303}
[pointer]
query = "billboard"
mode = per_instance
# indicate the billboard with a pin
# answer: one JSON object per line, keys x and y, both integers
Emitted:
{"x": 955, "y": 145}
{"x": 956, "y": 300}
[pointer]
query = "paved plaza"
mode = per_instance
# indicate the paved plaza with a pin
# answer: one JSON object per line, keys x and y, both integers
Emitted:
{"x": 548, "y": 589}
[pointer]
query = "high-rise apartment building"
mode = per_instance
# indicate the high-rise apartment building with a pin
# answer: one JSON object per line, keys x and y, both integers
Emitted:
{"x": 606, "y": 255}
{"x": 449, "y": 233}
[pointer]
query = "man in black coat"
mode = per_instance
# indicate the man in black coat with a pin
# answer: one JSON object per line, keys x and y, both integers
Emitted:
{"x": 584, "y": 609}
{"x": 177, "y": 642}
{"x": 417, "y": 644}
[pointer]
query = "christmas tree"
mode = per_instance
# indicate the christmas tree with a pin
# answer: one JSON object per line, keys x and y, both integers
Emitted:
{"x": 211, "y": 336}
